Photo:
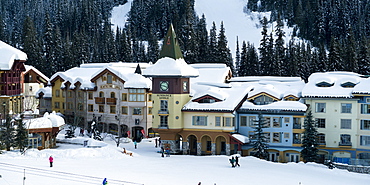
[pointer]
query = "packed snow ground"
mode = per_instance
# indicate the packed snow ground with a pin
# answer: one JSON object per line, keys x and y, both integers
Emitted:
{"x": 78, "y": 165}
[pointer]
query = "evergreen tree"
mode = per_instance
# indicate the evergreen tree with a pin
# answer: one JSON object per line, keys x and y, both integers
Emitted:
{"x": 153, "y": 48}
{"x": 323, "y": 59}
{"x": 335, "y": 60}
{"x": 223, "y": 54}
{"x": 279, "y": 49}
{"x": 31, "y": 45}
{"x": 212, "y": 55}
{"x": 252, "y": 60}
{"x": 237, "y": 58}
{"x": 202, "y": 35}
{"x": 242, "y": 70}
{"x": 21, "y": 137}
{"x": 48, "y": 48}
{"x": 263, "y": 48}
{"x": 309, "y": 139}
{"x": 7, "y": 137}
{"x": 260, "y": 145}
{"x": 364, "y": 58}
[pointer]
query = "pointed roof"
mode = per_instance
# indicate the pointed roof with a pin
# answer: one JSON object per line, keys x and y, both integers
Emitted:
{"x": 138, "y": 69}
{"x": 170, "y": 47}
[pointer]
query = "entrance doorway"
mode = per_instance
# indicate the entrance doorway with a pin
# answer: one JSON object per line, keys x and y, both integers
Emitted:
{"x": 192, "y": 145}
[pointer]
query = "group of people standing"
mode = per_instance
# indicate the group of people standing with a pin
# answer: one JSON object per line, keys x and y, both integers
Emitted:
{"x": 234, "y": 161}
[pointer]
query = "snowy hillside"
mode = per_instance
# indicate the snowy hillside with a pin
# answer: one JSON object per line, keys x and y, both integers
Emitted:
{"x": 237, "y": 23}
{"x": 78, "y": 165}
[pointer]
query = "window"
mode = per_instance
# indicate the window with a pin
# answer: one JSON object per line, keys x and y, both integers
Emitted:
{"x": 200, "y": 120}
{"x": 297, "y": 123}
{"x": 345, "y": 140}
{"x": 243, "y": 121}
{"x": 101, "y": 108}
{"x": 69, "y": 94}
{"x": 124, "y": 110}
{"x": 164, "y": 121}
{"x": 150, "y": 110}
{"x": 207, "y": 100}
{"x": 109, "y": 79}
{"x": 365, "y": 124}
{"x": 367, "y": 100}
{"x": 90, "y": 107}
{"x": 209, "y": 145}
{"x": 276, "y": 122}
{"x": 321, "y": 139}
{"x": 365, "y": 108}
{"x": 69, "y": 105}
{"x": 124, "y": 97}
{"x": 90, "y": 95}
{"x": 320, "y": 123}
{"x": 365, "y": 140}
{"x": 267, "y": 121}
{"x": 137, "y": 111}
{"x": 79, "y": 94}
{"x": 263, "y": 100}
{"x": 112, "y": 109}
{"x": 164, "y": 105}
{"x": 286, "y": 135}
{"x": 57, "y": 93}
{"x": 149, "y": 97}
{"x": 101, "y": 94}
{"x": 345, "y": 123}
{"x": 320, "y": 107}
{"x": 56, "y": 105}
{"x": 136, "y": 95}
{"x": 276, "y": 137}
{"x": 286, "y": 119}
{"x": 252, "y": 121}
{"x": 218, "y": 121}
{"x": 80, "y": 106}
{"x": 267, "y": 136}
{"x": 63, "y": 105}
{"x": 112, "y": 95}
{"x": 228, "y": 121}
{"x": 297, "y": 138}
{"x": 346, "y": 107}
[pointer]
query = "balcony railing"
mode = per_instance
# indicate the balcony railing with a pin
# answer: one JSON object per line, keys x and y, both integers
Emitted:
{"x": 163, "y": 112}
{"x": 297, "y": 141}
{"x": 111, "y": 101}
{"x": 99, "y": 100}
{"x": 296, "y": 126}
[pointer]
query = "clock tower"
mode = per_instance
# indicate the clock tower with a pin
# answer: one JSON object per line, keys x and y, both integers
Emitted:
{"x": 170, "y": 90}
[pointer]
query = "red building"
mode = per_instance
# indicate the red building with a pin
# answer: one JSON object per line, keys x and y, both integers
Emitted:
{"x": 11, "y": 68}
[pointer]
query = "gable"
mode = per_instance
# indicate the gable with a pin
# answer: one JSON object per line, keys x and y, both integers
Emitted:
{"x": 206, "y": 99}
{"x": 103, "y": 74}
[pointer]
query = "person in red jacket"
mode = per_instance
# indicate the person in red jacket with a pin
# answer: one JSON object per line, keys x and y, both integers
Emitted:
{"x": 51, "y": 160}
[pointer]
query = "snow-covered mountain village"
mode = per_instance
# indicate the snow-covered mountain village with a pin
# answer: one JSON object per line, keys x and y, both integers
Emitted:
{"x": 155, "y": 122}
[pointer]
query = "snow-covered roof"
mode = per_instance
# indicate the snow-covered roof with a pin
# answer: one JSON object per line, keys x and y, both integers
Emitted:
{"x": 28, "y": 68}
{"x": 77, "y": 74}
{"x": 8, "y": 55}
{"x": 132, "y": 80}
{"x": 363, "y": 87}
{"x": 241, "y": 138}
{"x": 276, "y": 106}
{"x": 170, "y": 67}
{"x": 231, "y": 97}
{"x": 47, "y": 91}
{"x": 213, "y": 73}
{"x": 330, "y": 85}
{"x": 47, "y": 121}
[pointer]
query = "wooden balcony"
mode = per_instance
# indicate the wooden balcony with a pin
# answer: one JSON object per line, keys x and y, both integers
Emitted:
{"x": 99, "y": 100}
{"x": 111, "y": 101}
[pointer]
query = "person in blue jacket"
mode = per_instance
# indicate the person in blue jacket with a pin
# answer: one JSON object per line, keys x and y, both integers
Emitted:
{"x": 105, "y": 181}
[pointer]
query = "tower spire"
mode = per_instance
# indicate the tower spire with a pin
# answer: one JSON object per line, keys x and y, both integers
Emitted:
{"x": 170, "y": 46}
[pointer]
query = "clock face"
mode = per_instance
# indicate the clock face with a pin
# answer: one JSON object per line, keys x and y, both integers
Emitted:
{"x": 185, "y": 86}
{"x": 163, "y": 85}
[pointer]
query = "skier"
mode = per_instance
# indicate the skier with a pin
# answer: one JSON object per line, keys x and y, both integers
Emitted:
{"x": 232, "y": 161}
{"x": 156, "y": 142}
{"x": 135, "y": 143}
{"x": 105, "y": 181}
{"x": 237, "y": 161}
{"x": 51, "y": 159}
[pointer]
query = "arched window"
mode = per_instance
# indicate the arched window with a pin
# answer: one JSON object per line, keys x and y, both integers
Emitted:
{"x": 101, "y": 94}
{"x": 112, "y": 95}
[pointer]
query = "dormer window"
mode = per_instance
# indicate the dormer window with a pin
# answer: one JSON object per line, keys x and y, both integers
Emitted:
{"x": 109, "y": 79}
{"x": 263, "y": 100}
{"x": 348, "y": 85}
{"x": 207, "y": 100}
{"x": 324, "y": 84}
